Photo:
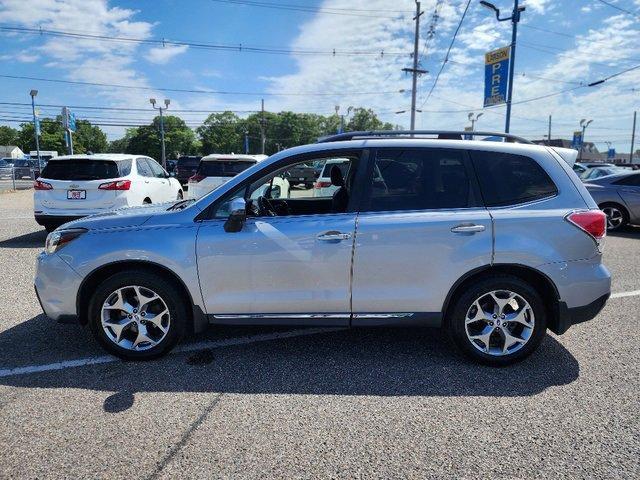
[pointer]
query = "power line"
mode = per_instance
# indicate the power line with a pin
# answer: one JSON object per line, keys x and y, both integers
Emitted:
{"x": 186, "y": 90}
{"x": 446, "y": 57}
{"x": 352, "y": 12}
{"x": 236, "y": 48}
{"x": 624, "y": 10}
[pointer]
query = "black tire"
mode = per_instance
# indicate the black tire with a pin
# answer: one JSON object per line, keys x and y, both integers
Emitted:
{"x": 146, "y": 201}
{"x": 606, "y": 207}
{"x": 50, "y": 227}
{"x": 165, "y": 288}
{"x": 180, "y": 195}
{"x": 457, "y": 314}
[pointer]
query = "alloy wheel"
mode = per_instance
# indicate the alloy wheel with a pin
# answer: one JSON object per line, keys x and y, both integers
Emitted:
{"x": 499, "y": 322}
{"x": 615, "y": 217}
{"x": 135, "y": 318}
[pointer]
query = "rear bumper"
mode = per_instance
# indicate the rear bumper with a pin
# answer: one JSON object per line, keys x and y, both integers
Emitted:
{"x": 572, "y": 316}
{"x": 44, "y": 219}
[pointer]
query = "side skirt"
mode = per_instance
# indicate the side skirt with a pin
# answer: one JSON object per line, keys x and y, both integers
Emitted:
{"x": 389, "y": 319}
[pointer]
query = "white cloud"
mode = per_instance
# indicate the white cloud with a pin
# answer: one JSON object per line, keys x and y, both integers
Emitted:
{"x": 162, "y": 55}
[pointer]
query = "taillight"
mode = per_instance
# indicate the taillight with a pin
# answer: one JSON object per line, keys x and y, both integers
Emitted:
{"x": 117, "y": 185}
{"x": 321, "y": 184}
{"x": 594, "y": 222}
{"x": 196, "y": 178}
{"x": 40, "y": 185}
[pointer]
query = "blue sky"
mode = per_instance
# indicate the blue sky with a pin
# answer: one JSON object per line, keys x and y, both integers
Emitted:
{"x": 581, "y": 41}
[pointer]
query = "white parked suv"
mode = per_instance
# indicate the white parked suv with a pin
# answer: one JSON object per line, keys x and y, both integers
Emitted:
{"x": 216, "y": 169}
{"x": 75, "y": 186}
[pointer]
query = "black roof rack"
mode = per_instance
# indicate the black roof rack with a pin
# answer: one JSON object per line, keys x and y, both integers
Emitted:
{"x": 443, "y": 134}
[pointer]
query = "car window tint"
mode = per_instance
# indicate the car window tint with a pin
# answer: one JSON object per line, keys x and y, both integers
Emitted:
{"x": 631, "y": 180}
{"x": 81, "y": 169}
{"x": 223, "y": 168}
{"x": 419, "y": 179}
{"x": 143, "y": 168}
{"x": 507, "y": 179}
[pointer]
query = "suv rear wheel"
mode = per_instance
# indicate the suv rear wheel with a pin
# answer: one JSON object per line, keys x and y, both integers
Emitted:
{"x": 498, "y": 321}
{"x": 137, "y": 315}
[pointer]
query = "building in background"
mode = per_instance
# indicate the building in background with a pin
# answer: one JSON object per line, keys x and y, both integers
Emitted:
{"x": 590, "y": 152}
{"x": 11, "y": 151}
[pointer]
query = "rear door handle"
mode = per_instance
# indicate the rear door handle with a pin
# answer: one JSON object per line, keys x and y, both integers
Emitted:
{"x": 468, "y": 228}
{"x": 333, "y": 236}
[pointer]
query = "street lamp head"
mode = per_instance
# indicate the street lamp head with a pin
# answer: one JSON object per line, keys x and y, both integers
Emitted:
{"x": 479, "y": 115}
{"x": 33, "y": 93}
{"x": 167, "y": 102}
{"x": 588, "y": 123}
{"x": 582, "y": 121}
{"x": 152, "y": 101}
{"x": 490, "y": 6}
{"x": 470, "y": 116}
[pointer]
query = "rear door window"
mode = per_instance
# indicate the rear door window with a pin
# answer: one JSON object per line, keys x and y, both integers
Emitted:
{"x": 222, "y": 168}
{"x": 81, "y": 170}
{"x": 156, "y": 169}
{"x": 143, "y": 167}
{"x": 631, "y": 180}
{"x": 508, "y": 179}
{"x": 420, "y": 179}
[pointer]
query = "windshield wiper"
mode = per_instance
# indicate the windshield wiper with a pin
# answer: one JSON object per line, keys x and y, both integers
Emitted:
{"x": 181, "y": 204}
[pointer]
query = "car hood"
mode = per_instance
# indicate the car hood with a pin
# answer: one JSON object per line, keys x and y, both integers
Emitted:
{"x": 122, "y": 217}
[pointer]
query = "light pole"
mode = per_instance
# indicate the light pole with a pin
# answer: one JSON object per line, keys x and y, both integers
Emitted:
{"x": 152, "y": 101}
{"x": 36, "y": 128}
{"x": 584, "y": 123}
{"x": 474, "y": 119}
{"x": 515, "y": 18}
{"x": 349, "y": 110}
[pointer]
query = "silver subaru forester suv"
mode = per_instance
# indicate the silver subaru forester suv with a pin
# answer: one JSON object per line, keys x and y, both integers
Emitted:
{"x": 496, "y": 242}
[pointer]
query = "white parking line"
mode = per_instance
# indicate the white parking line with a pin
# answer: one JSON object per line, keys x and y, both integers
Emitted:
{"x": 229, "y": 342}
{"x": 632, "y": 293}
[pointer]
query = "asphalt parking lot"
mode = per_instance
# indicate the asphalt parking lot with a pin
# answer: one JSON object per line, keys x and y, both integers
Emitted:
{"x": 265, "y": 402}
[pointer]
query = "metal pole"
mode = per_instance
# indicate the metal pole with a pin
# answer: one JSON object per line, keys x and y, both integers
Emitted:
{"x": 414, "y": 84}
{"x": 549, "y": 135}
{"x": 35, "y": 130}
{"x": 515, "y": 18}
{"x": 633, "y": 137}
{"x": 164, "y": 160}
{"x": 584, "y": 127}
{"x": 69, "y": 133}
{"x": 263, "y": 137}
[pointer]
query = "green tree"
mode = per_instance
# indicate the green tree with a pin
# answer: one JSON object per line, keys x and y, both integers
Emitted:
{"x": 89, "y": 138}
{"x": 222, "y": 133}
{"x": 366, "y": 119}
{"x": 179, "y": 139}
{"x": 8, "y": 136}
{"x": 86, "y": 138}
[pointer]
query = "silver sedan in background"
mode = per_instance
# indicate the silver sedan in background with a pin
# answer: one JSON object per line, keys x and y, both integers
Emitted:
{"x": 619, "y": 198}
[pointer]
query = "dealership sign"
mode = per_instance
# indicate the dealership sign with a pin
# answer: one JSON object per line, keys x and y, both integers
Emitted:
{"x": 496, "y": 76}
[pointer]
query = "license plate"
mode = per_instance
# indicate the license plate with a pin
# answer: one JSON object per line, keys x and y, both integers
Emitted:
{"x": 76, "y": 194}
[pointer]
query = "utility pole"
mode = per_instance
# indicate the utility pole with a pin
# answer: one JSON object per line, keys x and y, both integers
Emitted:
{"x": 549, "y": 134}
{"x": 36, "y": 125}
{"x": 415, "y": 71}
{"x": 515, "y": 18}
{"x": 166, "y": 105}
{"x": 633, "y": 137}
{"x": 263, "y": 138}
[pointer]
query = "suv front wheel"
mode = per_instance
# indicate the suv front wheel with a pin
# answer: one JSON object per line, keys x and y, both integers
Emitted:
{"x": 137, "y": 315}
{"x": 498, "y": 321}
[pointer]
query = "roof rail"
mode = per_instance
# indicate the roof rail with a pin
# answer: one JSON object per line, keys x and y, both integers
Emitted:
{"x": 445, "y": 134}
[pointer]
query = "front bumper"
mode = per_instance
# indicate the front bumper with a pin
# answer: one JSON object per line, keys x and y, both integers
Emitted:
{"x": 56, "y": 285}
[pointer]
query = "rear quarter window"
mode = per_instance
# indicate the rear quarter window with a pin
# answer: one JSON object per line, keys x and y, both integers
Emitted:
{"x": 508, "y": 179}
{"x": 82, "y": 170}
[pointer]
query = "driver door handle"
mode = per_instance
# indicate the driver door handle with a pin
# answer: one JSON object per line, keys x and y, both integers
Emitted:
{"x": 333, "y": 236}
{"x": 468, "y": 228}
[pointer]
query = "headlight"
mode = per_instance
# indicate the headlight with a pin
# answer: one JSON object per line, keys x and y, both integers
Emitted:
{"x": 58, "y": 239}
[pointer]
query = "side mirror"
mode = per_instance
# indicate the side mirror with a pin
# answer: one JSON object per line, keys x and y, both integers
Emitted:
{"x": 237, "y": 216}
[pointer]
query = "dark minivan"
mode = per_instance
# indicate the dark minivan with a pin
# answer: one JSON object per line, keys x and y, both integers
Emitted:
{"x": 186, "y": 167}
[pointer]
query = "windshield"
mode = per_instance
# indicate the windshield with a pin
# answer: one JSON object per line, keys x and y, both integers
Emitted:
{"x": 221, "y": 168}
{"x": 85, "y": 169}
